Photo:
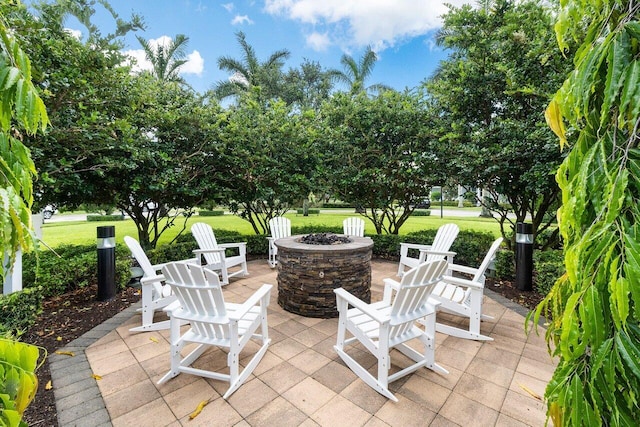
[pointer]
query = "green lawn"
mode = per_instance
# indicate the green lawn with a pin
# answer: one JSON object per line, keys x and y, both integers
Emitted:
{"x": 83, "y": 232}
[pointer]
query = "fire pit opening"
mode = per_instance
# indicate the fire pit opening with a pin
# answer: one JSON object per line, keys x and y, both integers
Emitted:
{"x": 324, "y": 239}
{"x": 309, "y": 271}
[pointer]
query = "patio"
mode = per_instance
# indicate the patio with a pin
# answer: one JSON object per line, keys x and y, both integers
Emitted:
{"x": 301, "y": 380}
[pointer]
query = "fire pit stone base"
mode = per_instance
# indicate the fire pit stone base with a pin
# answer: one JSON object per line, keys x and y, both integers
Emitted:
{"x": 308, "y": 274}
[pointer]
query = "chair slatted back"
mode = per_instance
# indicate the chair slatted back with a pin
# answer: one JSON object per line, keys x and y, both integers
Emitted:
{"x": 353, "y": 226}
{"x": 143, "y": 261}
{"x": 479, "y": 277}
{"x": 410, "y": 302}
{"x": 199, "y": 292}
{"x": 206, "y": 239}
{"x": 444, "y": 239}
{"x": 280, "y": 227}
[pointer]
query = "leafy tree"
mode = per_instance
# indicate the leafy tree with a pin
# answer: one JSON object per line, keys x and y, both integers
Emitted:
{"x": 357, "y": 72}
{"x": 249, "y": 73}
{"x": 21, "y": 111}
{"x": 308, "y": 86}
{"x": 269, "y": 159}
{"x": 165, "y": 162}
{"x": 166, "y": 60}
{"x": 380, "y": 154}
{"x": 595, "y": 307}
{"x": 492, "y": 90}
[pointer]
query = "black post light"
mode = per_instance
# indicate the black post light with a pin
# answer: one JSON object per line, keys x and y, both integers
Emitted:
{"x": 106, "y": 245}
{"x": 524, "y": 256}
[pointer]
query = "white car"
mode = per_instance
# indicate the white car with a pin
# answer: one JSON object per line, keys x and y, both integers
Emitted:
{"x": 48, "y": 211}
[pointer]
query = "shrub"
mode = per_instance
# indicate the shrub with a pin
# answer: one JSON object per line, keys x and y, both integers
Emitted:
{"x": 20, "y": 310}
{"x": 309, "y": 211}
{"x": 70, "y": 267}
{"x": 505, "y": 265}
{"x": 18, "y": 381}
{"x": 93, "y": 218}
{"x": 338, "y": 205}
{"x": 421, "y": 212}
{"x": 548, "y": 267}
{"x": 211, "y": 213}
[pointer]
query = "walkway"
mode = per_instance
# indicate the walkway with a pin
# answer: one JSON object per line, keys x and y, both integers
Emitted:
{"x": 301, "y": 381}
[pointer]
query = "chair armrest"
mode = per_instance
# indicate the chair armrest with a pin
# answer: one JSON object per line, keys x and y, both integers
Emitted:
{"x": 463, "y": 269}
{"x": 415, "y": 246}
{"x": 207, "y": 251}
{"x": 359, "y": 304}
{"x": 158, "y": 267}
{"x": 232, "y": 245}
{"x": 462, "y": 282}
{"x": 172, "y": 306}
{"x": 432, "y": 252}
{"x": 390, "y": 286}
{"x": 152, "y": 279}
{"x": 252, "y": 302}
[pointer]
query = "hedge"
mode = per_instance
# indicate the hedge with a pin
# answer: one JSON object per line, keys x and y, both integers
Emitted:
{"x": 93, "y": 218}
{"x": 211, "y": 213}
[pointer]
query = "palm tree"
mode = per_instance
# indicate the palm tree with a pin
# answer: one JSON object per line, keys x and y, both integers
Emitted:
{"x": 249, "y": 72}
{"x": 166, "y": 60}
{"x": 355, "y": 73}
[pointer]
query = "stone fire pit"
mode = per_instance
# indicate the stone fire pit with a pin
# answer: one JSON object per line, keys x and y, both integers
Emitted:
{"x": 308, "y": 274}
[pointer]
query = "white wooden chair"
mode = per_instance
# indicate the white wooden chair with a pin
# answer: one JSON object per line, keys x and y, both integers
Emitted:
{"x": 213, "y": 254}
{"x": 156, "y": 294}
{"x": 280, "y": 227}
{"x": 387, "y": 324}
{"x": 353, "y": 226}
{"x": 438, "y": 249}
{"x": 464, "y": 297}
{"x": 213, "y": 323}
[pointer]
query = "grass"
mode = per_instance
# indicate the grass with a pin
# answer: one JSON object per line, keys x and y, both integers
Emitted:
{"x": 82, "y": 232}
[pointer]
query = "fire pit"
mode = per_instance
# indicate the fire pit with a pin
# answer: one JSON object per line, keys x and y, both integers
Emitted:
{"x": 309, "y": 272}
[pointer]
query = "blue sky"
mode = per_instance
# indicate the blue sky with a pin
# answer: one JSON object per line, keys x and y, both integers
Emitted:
{"x": 400, "y": 31}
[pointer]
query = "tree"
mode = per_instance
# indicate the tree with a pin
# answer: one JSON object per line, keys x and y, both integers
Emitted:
{"x": 166, "y": 59}
{"x": 595, "y": 306}
{"x": 21, "y": 111}
{"x": 117, "y": 139}
{"x": 380, "y": 154}
{"x": 270, "y": 160}
{"x": 357, "y": 72}
{"x": 491, "y": 91}
{"x": 249, "y": 73}
{"x": 308, "y": 86}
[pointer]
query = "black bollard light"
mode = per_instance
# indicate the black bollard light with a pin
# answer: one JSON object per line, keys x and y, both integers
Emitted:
{"x": 106, "y": 262}
{"x": 524, "y": 256}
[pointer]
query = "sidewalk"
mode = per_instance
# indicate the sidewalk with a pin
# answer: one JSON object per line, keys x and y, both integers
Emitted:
{"x": 301, "y": 381}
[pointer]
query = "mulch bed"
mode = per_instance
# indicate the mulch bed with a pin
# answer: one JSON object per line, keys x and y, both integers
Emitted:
{"x": 68, "y": 316}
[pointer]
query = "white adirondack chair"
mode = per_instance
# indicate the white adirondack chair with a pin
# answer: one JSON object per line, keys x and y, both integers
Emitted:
{"x": 156, "y": 294}
{"x": 213, "y": 323}
{"x": 464, "y": 297}
{"x": 387, "y": 324}
{"x": 213, "y": 253}
{"x": 280, "y": 227}
{"x": 439, "y": 249}
{"x": 353, "y": 226}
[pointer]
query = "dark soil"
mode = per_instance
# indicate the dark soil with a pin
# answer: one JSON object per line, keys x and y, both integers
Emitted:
{"x": 67, "y": 317}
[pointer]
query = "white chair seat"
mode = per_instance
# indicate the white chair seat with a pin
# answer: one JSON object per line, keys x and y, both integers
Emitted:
{"x": 387, "y": 324}
{"x": 214, "y": 254}
{"x": 214, "y": 323}
{"x": 438, "y": 250}
{"x": 450, "y": 292}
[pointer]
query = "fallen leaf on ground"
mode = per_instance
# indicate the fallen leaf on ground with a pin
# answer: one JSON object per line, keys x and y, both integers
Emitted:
{"x": 66, "y": 353}
{"x": 531, "y": 392}
{"x": 49, "y": 386}
{"x": 96, "y": 377}
{"x": 201, "y": 406}
{"x": 154, "y": 339}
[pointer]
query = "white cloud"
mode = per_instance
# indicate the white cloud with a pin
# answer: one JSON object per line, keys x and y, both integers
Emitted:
{"x": 77, "y": 34}
{"x": 228, "y": 6}
{"x": 241, "y": 19}
{"x": 318, "y": 42}
{"x": 194, "y": 64}
{"x": 379, "y": 23}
